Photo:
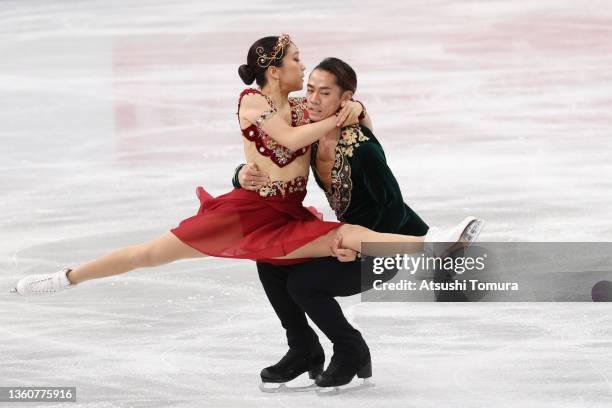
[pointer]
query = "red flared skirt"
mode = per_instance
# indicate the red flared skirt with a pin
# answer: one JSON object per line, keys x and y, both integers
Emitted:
{"x": 243, "y": 224}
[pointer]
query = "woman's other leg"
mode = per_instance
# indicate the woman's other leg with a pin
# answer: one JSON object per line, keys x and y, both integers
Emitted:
{"x": 352, "y": 237}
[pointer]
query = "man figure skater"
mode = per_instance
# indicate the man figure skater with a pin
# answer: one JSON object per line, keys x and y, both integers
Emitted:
{"x": 349, "y": 165}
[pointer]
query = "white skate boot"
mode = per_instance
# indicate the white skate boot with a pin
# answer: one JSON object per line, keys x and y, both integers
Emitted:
{"x": 35, "y": 285}
{"x": 441, "y": 242}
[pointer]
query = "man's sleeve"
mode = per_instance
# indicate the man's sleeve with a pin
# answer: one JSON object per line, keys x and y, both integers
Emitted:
{"x": 383, "y": 187}
{"x": 235, "y": 181}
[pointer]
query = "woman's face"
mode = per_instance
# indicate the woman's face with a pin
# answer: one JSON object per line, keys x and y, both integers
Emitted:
{"x": 292, "y": 71}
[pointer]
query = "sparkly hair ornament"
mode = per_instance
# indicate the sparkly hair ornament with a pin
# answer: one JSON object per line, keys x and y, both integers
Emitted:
{"x": 264, "y": 59}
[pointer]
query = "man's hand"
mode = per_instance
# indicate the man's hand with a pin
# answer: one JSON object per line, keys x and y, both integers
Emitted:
{"x": 343, "y": 254}
{"x": 250, "y": 178}
{"x": 349, "y": 115}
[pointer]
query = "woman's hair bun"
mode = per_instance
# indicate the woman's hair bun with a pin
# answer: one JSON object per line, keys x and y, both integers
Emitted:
{"x": 246, "y": 73}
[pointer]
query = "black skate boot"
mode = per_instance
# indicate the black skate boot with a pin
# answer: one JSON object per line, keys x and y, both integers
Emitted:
{"x": 292, "y": 365}
{"x": 340, "y": 372}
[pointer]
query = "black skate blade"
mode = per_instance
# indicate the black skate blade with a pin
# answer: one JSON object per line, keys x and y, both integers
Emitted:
{"x": 342, "y": 389}
{"x": 285, "y": 389}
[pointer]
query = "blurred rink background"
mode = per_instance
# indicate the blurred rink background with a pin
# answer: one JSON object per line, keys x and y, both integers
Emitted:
{"x": 112, "y": 112}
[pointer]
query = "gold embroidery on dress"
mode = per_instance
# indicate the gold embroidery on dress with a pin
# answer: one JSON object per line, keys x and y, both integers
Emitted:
{"x": 279, "y": 187}
{"x": 264, "y": 116}
{"x": 298, "y": 108}
{"x": 264, "y": 142}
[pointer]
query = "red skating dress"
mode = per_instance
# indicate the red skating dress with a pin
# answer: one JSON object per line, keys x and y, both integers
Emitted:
{"x": 263, "y": 224}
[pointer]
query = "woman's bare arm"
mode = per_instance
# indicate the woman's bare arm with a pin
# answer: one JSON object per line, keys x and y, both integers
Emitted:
{"x": 293, "y": 138}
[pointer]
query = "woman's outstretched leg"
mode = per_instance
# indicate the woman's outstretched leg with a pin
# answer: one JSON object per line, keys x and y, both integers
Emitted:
{"x": 161, "y": 250}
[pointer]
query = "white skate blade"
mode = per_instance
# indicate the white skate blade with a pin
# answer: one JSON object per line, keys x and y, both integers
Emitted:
{"x": 272, "y": 388}
{"x": 14, "y": 290}
{"x": 342, "y": 389}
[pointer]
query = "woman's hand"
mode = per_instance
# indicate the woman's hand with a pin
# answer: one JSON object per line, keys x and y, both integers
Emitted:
{"x": 349, "y": 115}
{"x": 343, "y": 254}
{"x": 250, "y": 178}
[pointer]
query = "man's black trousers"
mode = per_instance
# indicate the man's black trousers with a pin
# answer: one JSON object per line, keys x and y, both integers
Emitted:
{"x": 310, "y": 288}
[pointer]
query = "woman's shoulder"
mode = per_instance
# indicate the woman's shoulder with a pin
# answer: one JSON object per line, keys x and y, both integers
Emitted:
{"x": 247, "y": 91}
{"x": 253, "y": 98}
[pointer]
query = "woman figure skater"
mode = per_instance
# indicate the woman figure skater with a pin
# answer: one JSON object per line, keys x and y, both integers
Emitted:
{"x": 266, "y": 225}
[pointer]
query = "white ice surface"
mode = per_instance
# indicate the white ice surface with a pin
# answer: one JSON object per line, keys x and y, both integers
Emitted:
{"x": 111, "y": 112}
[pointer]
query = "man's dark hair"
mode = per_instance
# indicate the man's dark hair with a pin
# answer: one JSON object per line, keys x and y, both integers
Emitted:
{"x": 346, "y": 78}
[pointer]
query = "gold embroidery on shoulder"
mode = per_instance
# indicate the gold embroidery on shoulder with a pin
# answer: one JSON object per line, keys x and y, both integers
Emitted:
{"x": 352, "y": 135}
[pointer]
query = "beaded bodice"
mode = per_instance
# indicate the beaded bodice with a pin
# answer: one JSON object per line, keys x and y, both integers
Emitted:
{"x": 266, "y": 145}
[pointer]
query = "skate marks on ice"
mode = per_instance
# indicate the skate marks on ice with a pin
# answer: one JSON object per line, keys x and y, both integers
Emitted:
{"x": 527, "y": 353}
{"x": 166, "y": 331}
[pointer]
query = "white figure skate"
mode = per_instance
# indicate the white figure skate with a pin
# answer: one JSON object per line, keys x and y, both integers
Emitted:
{"x": 45, "y": 284}
{"x": 441, "y": 242}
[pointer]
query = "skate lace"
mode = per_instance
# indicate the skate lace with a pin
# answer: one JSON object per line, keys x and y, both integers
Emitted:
{"x": 43, "y": 284}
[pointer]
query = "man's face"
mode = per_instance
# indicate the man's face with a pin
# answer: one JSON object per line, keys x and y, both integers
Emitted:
{"x": 323, "y": 95}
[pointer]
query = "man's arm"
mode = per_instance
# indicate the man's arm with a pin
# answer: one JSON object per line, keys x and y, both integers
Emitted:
{"x": 383, "y": 187}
